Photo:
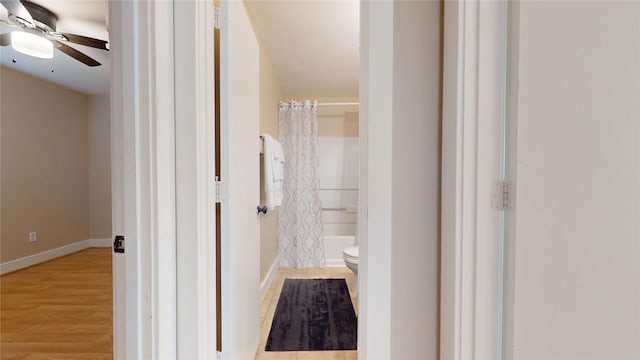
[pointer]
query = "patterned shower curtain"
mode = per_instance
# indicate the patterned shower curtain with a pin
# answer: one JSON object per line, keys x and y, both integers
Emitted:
{"x": 300, "y": 232}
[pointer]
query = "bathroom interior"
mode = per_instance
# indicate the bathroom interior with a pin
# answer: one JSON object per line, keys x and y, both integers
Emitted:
{"x": 316, "y": 70}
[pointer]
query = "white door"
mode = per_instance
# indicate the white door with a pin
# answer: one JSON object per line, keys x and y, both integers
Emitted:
{"x": 240, "y": 152}
{"x": 127, "y": 343}
{"x": 574, "y": 245}
{"x": 162, "y": 178}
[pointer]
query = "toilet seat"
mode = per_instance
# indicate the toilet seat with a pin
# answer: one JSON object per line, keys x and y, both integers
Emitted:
{"x": 350, "y": 254}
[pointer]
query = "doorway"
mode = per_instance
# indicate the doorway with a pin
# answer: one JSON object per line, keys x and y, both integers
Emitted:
{"x": 189, "y": 273}
{"x": 56, "y": 194}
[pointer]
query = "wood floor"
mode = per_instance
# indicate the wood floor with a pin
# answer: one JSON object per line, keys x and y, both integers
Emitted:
{"x": 62, "y": 310}
{"x": 268, "y": 308}
{"x": 58, "y": 310}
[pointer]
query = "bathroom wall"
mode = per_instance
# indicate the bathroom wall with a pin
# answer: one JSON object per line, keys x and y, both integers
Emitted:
{"x": 270, "y": 95}
{"x": 45, "y": 165}
{"x": 338, "y": 166}
{"x": 337, "y": 120}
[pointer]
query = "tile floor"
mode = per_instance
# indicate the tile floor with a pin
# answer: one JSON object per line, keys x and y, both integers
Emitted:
{"x": 268, "y": 307}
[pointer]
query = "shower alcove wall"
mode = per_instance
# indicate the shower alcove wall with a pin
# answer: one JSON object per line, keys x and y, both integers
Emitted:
{"x": 338, "y": 148}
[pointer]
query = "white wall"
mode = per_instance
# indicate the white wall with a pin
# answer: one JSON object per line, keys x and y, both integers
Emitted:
{"x": 240, "y": 150}
{"x": 376, "y": 96}
{"x": 338, "y": 173}
{"x": 337, "y": 120}
{"x": 400, "y": 115}
{"x": 575, "y": 258}
{"x": 270, "y": 94}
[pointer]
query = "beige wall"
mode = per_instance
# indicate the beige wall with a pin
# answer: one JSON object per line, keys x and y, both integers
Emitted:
{"x": 270, "y": 94}
{"x": 44, "y": 156}
{"x": 99, "y": 168}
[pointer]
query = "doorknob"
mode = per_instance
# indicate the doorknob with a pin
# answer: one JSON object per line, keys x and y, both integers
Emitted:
{"x": 262, "y": 209}
{"x": 118, "y": 244}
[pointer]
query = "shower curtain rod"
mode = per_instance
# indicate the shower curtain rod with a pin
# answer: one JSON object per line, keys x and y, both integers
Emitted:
{"x": 326, "y": 103}
{"x": 339, "y": 104}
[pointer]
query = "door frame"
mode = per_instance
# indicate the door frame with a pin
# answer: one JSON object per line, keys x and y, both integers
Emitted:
{"x": 131, "y": 180}
{"x": 146, "y": 158}
{"x": 161, "y": 131}
{"x": 474, "y": 96}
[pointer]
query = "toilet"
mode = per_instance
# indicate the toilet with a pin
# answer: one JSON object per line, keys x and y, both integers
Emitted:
{"x": 350, "y": 256}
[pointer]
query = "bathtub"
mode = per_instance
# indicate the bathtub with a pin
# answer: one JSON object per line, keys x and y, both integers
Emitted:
{"x": 335, "y": 240}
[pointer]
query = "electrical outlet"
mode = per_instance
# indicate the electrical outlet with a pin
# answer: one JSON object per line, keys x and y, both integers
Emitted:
{"x": 33, "y": 236}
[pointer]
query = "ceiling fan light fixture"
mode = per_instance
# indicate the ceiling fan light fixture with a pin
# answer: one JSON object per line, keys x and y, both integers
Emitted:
{"x": 31, "y": 44}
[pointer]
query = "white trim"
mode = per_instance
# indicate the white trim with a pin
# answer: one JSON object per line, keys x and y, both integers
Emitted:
{"x": 142, "y": 193}
{"x": 117, "y": 68}
{"x": 149, "y": 41}
{"x": 508, "y": 254}
{"x": 375, "y": 223}
{"x": 24, "y": 262}
{"x": 268, "y": 280}
{"x": 162, "y": 131}
{"x": 335, "y": 263}
{"x": 194, "y": 174}
{"x": 363, "y": 170}
{"x": 163, "y": 189}
{"x": 473, "y": 101}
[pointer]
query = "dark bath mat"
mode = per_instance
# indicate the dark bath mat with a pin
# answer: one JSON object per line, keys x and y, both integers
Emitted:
{"x": 313, "y": 315}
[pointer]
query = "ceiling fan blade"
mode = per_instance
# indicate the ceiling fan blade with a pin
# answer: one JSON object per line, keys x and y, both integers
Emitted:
{"x": 18, "y": 10}
{"x": 86, "y": 41}
{"x": 5, "y": 39}
{"x": 75, "y": 54}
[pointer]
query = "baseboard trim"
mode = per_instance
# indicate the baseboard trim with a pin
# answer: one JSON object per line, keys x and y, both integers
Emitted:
{"x": 38, "y": 258}
{"x": 266, "y": 283}
{"x": 100, "y": 243}
{"x": 335, "y": 263}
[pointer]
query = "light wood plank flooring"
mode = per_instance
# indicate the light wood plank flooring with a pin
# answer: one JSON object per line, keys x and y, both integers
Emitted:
{"x": 60, "y": 309}
{"x": 268, "y": 308}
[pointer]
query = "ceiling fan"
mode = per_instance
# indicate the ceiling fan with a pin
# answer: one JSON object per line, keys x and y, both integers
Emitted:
{"x": 37, "y": 35}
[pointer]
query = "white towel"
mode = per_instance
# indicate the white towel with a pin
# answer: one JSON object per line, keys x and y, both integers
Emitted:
{"x": 273, "y": 171}
{"x": 278, "y": 155}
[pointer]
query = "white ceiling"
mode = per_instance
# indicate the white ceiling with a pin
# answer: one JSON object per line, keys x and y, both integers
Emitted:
{"x": 312, "y": 44}
{"x": 82, "y": 17}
